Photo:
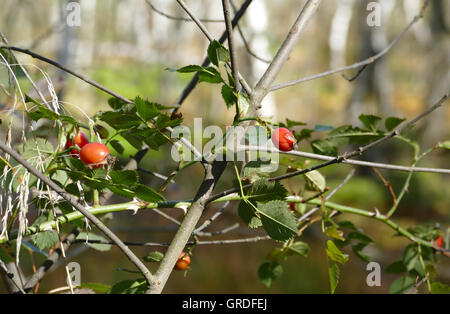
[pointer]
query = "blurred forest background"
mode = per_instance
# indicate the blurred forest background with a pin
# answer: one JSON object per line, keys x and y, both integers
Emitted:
{"x": 126, "y": 46}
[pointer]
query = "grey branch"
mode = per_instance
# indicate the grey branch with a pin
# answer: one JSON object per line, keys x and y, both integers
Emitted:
{"x": 349, "y": 161}
{"x": 362, "y": 64}
{"x": 283, "y": 53}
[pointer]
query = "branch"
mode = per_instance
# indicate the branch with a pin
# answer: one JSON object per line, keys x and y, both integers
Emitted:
{"x": 97, "y": 222}
{"x": 212, "y": 175}
{"x": 179, "y": 18}
{"x": 191, "y": 85}
{"x": 348, "y": 161}
{"x": 262, "y": 87}
{"x": 211, "y": 242}
{"x": 363, "y": 64}
{"x": 233, "y": 57}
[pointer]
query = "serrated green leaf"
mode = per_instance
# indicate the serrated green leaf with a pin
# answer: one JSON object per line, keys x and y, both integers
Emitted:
{"x": 46, "y": 239}
{"x": 392, "y": 122}
{"x": 119, "y": 120}
{"x": 401, "y": 285}
{"x": 153, "y": 257}
{"x": 264, "y": 190}
{"x": 371, "y": 122}
{"x": 335, "y": 254}
{"x": 268, "y": 272}
{"x": 304, "y": 134}
{"x": 146, "y": 110}
{"x": 279, "y": 222}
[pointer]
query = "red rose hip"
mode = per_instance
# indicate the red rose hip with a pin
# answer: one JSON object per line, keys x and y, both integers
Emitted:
{"x": 283, "y": 139}
{"x": 183, "y": 261}
{"x": 81, "y": 139}
{"x": 94, "y": 154}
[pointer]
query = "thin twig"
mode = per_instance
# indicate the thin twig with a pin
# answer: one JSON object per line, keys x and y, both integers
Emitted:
{"x": 193, "y": 82}
{"x": 211, "y": 242}
{"x": 349, "y": 161}
{"x": 232, "y": 48}
{"x": 179, "y": 18}
{"x": 356, "y": 65}
{"x": 386, "y": 184}
{"x": 213, "y": 217}
{"x": 263, "y": 85}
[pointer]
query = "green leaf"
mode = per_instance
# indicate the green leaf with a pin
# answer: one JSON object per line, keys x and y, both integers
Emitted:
{"x": 316, "y": 180}
{"x": 147, "y": 194}
{"x": 401, "y": 285}
{"x": 439, "y": 288}
{"x": 116, "y": 103}
{"x": 243, "y": 104}
{"x": 228, "y": 95}
{"x": 357, "y": 249}
{"x": 119, "y": 120}
{"x": 117, "y": 146}
{"x": 445, "y": 145}
{"x": 217, "y": 52}
{"x": 146, "y": 110}
{"x": 292, "y": 123}
{"x": 210, "y": 75}
{"x": 264, "y": 190}
{"x": 46, "y": 239}
{"x": 357, "y": 235}
{"x": 92, "y": 236}
{"x": 392, "y": 122}
{"x": 268, "y": 272}
{"x": 304, "y": 134}
{"x": 324, "y": 147}
{"x": 335, "y": 254}
{"x": 136, "y": 286}
{"x": 396, "y": 267}
{"x": 97, "y": 287}
{"x": 187, "y": 69}
{"x": 279, "y": 222}
{"x": 299, "y": 248}
{"x": 153, "y": 257}
{"x": 334, "y": 274}
{"x": 247, "y": 214}
{"x": 370, "y": 121}
{"x": 334, "y": 232}
{"x": 125, "y": 177}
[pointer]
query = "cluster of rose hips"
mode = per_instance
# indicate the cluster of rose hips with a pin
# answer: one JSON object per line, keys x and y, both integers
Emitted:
{"x": 91, "y": 154}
